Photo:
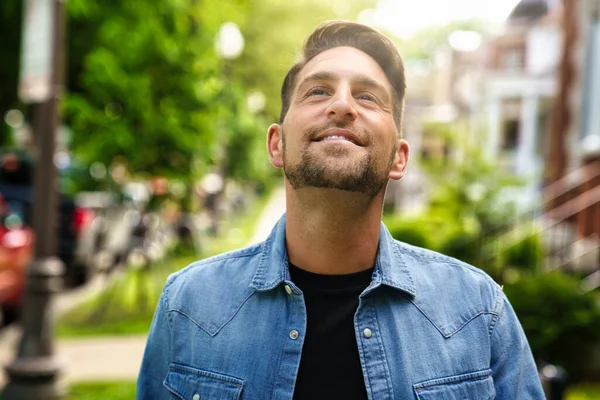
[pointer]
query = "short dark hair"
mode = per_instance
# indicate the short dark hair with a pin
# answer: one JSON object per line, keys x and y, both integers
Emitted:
{"x": 332, "y": 34}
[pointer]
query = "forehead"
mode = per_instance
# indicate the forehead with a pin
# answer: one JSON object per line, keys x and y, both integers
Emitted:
{"x": 344, "y": 62}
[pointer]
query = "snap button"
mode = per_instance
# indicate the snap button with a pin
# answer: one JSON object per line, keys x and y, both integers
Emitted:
{"x": 196, "y": 397}
{"x": 294, "y": 334}
{"x": 367, "y": 333}
{"x": 288, "y": 289}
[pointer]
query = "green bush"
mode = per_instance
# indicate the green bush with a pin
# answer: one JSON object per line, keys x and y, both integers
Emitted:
{"x": 561, "y": 322}
{"x": 527, "y": 255}
{"x": 409, "y": 232}
{"x": 463, "y": 246}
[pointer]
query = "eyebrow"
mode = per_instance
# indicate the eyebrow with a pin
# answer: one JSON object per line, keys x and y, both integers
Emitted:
{"x": 362, "y": 80}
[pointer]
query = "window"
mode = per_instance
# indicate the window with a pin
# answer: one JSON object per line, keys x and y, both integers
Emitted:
{"x": 510, "y": 135}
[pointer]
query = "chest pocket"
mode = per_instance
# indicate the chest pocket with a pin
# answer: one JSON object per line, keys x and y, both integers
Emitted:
{"x": 476, "y": 385}
{"x": 188, "y": 383}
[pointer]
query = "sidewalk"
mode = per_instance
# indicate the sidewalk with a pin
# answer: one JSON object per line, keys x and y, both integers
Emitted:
{"x": 117, "y": 358}
{"x": 274, "y": 209}
{"x": 97, "y": 359}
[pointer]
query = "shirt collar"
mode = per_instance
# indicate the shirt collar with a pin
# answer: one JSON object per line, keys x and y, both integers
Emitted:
{"x": 390, "y": 267}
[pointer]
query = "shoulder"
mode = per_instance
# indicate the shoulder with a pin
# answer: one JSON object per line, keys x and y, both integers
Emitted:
{"x": 448, "y": 279}
{"x": 435, "y": 262}
{"x": 209, "y": 292}
{"x": 215, "y": 275}
{"x": 210, "y": 265}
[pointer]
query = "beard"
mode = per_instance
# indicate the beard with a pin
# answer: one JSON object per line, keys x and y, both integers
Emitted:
{"x": 361, "y": 177}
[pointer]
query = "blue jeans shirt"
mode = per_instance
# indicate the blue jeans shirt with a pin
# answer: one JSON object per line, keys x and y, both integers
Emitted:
{"x": 427, "y": 327}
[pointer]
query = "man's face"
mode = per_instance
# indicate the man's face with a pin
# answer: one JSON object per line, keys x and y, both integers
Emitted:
{"x": 339, "y": 131}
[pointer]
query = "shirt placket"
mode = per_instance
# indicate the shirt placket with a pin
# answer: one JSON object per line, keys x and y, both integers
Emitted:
{"x": 291, "y": 352}
{"x": 373, "y": 359}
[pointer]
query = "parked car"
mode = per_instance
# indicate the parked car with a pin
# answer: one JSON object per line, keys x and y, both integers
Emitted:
{"x": 16, "y": 185}
{"x": 16, "y": 252}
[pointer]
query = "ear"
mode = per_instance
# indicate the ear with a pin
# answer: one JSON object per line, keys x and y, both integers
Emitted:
{"x": 275, "y": 145}
{"x": 400, "y": 160}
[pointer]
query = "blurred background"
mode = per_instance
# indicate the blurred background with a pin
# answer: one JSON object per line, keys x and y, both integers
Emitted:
{"x": 140, "y": 128}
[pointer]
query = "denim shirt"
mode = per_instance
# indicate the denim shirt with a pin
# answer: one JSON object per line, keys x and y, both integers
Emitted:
{"x": 427, "y": 327}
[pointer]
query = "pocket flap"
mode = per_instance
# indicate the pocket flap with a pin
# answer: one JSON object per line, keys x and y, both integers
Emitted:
{"x": 189, "y": 383}
{"x": 475, "y": 385}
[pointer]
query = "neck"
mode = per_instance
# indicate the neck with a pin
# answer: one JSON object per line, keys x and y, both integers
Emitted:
{"x": 333, "y": 232}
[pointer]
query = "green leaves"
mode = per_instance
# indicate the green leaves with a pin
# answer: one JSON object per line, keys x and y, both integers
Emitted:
{"x": 145, "y": 86}
{"x": 561, "y": 322}
{"x": 146, "y": 94}
{"x": 469, "y": 189}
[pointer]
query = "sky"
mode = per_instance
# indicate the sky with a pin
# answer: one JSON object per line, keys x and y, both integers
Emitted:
{"x": 405, "y": 17}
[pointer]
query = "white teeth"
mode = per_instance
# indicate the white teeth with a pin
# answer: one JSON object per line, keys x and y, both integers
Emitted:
{"x": 335, "y": 138}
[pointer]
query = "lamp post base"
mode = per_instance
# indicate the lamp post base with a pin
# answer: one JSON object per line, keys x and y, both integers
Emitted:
{"x": 34, "y": 373}
{"x": 35, "y": 379}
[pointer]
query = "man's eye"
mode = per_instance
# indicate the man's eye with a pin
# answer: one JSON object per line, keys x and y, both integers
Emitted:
{"x": 316, "y": 92}
{"x": 366, "y": 97}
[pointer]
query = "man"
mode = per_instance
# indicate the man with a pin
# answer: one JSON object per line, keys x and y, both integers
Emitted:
{"x": 330, "y": 306}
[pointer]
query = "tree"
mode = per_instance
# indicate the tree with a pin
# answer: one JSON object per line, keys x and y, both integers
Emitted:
{"x": 147, "y": 89}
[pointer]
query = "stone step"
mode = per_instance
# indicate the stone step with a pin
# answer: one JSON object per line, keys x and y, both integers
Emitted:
{"x": 591, "y": 282}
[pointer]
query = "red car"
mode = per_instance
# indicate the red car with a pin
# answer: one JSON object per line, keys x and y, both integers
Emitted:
{"x": 16, "y": 252}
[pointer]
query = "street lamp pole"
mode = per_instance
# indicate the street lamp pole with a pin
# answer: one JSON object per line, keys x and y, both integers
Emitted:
{"x": 33, "y": 375}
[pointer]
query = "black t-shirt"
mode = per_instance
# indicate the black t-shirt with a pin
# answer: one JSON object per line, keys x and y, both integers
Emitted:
{"x": 330, "y": 363}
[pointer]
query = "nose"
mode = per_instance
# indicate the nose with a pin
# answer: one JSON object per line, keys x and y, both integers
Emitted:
{"x": 342, "y": 108}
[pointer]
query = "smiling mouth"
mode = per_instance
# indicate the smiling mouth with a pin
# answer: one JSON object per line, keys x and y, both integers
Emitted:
{"x": 334, "y": 138}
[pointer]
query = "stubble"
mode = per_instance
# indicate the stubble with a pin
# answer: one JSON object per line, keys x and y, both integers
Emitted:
{"x": 362, "y": 177}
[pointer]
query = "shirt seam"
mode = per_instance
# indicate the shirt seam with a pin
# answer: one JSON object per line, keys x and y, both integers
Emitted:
{"x": 165, "y": 302}
{"x": 459, "y": 328}
{"x": 277, "y": 376}
{"x": 362, "y": 355}
{"x": 382, "y": 350}
{"x": 246, "y": 253}
{"x": 177, "y": 310}
{"x": 430, "y": 255}
{"x": 399, "y": 258}
{"x": 266, "y": 248}
{"x": 172, "y": 391}
{"x": 498, "y": 309}
{"x": 207, "y": 374}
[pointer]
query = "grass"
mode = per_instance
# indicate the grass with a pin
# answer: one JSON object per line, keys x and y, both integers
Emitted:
{"x": 127, "y": 305}
{"x": 584, "y": 391}
{"x": 102, "y": 391}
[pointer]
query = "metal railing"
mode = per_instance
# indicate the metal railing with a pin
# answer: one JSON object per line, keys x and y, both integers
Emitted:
{"x": 551, "y": 193}
{"x": 571, "y": 197}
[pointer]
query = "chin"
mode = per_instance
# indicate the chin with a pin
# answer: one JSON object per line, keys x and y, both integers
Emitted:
{"x": 337, "y": 150}
{"x": 342, "y": 160}
{"x": 340, "y": 175}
